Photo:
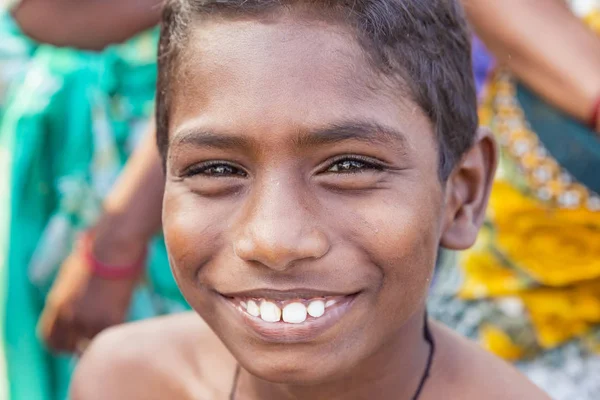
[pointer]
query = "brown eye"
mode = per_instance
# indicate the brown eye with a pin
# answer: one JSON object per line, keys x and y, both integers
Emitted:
{"x": 215, "y": 170}
{"x": 352, "y": 165}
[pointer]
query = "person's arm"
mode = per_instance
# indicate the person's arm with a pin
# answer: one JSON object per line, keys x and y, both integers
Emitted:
{"x": 132, "y": 210}
{"x": 545, "y": 46}
{"x": 82, "y": 304}
{"x": 86, "y": 24}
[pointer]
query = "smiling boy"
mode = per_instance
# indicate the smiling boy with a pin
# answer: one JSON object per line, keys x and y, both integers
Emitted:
{"x": 317, "y": 153}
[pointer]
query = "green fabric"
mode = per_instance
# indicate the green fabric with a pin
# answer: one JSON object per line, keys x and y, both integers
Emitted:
{"x": 15, "y": 53}
{"x": 5, "y": 171}
{"x": 68, "y": 126}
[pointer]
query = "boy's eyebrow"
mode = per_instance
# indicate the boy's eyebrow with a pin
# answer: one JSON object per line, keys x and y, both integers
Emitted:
{"x": 208, "y": 138}
{"x": 364, "y": 131}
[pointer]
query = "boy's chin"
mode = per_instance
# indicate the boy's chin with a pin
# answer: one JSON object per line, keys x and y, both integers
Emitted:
{"x": 303, "y": 372}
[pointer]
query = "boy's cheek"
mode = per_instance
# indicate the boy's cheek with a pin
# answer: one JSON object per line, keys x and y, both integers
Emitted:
{"x": 402, "y": 238}
{"x": 189, "y": 234}
{"x": 394, "y": 224}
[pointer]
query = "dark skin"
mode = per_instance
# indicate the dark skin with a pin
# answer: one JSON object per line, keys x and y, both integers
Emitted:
{"x": 320, "y": 177}
{"x": 188, "y": 361}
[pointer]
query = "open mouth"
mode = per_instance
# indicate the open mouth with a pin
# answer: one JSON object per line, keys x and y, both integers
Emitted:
{"x": 287, "y": 317}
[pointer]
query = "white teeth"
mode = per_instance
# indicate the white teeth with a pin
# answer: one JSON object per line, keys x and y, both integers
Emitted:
{"x": 252, "y": 308}
{"x": 269, "y": 312}
{"x": 294, "y": 313}
{"x": 315, "y": 309}
{"x": 330, "y": 303}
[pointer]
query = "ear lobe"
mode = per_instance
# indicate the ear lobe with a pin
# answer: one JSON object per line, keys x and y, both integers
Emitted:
{"x": 467, "y": 193}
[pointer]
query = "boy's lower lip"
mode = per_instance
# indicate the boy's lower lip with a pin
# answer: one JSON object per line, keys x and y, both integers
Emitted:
{"x": 281, "y": 332}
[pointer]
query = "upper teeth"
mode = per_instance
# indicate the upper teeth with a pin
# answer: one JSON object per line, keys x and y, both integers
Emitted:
{"x": 316, "y": 308}
{"x": 293, "y": 313}
{"x": 269, "y": 312}
{"x": 252, "y": 308}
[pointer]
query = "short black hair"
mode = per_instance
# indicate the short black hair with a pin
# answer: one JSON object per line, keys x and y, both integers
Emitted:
{"x": 426, "y": 43}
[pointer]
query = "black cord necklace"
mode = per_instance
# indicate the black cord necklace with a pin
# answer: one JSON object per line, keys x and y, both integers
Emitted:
{"x": 236, "y": 378}
{"x": 424, "y": 377}
{"x": 427, "y": 372}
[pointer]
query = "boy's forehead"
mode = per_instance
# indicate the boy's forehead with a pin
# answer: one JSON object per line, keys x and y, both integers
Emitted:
{"x": 241, "y": 72}
{"x": 290, "y": 54}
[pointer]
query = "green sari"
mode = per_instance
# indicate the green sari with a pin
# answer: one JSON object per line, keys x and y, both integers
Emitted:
{"x": 68, "y": 125}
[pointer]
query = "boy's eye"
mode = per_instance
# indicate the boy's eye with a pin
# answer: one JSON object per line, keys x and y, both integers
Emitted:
{"x": 352, "y": 165}
{"x": 215, "y": 169}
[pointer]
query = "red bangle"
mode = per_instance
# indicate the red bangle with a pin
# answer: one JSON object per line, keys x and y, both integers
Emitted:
{"x": 107, "y": 271}
{"x": 593, "y": 122}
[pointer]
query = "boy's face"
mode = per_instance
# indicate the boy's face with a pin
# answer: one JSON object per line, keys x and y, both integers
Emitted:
{"x": 296, "y": 175}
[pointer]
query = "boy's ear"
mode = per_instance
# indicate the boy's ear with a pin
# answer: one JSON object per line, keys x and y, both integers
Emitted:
{"x": 467, "y": 193}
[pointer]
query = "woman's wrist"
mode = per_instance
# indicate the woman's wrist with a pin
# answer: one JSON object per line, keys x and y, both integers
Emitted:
{"x": 119, "y": 241}
{"x": 110, "y": 270}
{"x": 594, "y": 122}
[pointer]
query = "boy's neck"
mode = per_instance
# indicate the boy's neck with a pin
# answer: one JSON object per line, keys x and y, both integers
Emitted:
{"x": 394, "y": 372}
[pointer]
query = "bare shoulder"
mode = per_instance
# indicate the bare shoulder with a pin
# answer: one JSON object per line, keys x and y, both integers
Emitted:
{"x": 467, "y": 372}
{"x": 167, "y": 357}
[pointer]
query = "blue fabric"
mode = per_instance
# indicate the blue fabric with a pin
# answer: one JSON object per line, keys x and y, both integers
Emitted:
{"x": 574, "y": 146}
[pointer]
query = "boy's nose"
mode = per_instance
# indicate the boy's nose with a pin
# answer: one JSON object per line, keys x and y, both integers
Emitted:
{"x": 278, "y": 232}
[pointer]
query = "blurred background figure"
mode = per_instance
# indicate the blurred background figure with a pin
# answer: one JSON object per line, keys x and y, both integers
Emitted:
{"x": 69, "y": 122}
{"x": 529, "y": 290}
